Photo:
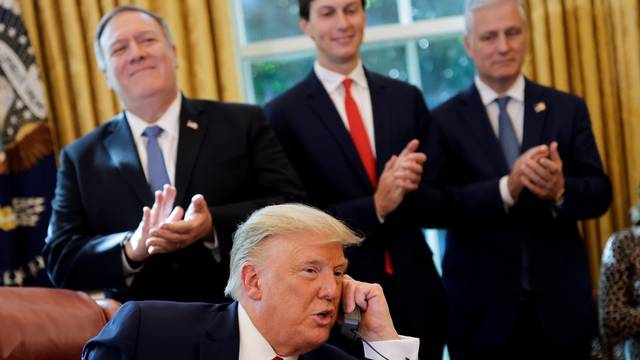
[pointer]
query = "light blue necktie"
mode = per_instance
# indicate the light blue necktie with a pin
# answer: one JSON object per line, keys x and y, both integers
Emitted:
{"x": 157, "y": 171}
{"x": 506, "y": 134}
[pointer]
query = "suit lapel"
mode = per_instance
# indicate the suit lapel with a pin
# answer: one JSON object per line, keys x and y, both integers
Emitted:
{"x": 193, "y": 128}
{"x": 382, "y": 122}
{"x": 222, "y": 340}
{"x": 535, "y": 115}
{"x": 477, "y": 121}
{"x": 324, "y": 109}
{"x": 120, "y": 146}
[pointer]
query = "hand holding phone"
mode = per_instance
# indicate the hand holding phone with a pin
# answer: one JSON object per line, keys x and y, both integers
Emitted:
{"x": 375, "y": 320}
{"x": 350, "y": 323}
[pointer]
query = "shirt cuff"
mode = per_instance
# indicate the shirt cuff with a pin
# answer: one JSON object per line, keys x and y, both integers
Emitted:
{"x": 129, "y": 272}
{"x": 405, "y": 348}
{"x": 214, "y": 246}
{"x": 505, "y": 194}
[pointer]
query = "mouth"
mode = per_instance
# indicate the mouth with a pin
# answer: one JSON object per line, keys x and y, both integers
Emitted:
{"x": 324, "y": 318}
{"x": 137, "y": 71}
{"x": 342, "y": 40}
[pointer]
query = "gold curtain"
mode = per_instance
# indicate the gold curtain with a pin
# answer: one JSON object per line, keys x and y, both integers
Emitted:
{"x": 79, "y": 99}
{"x": 591, "y": 48}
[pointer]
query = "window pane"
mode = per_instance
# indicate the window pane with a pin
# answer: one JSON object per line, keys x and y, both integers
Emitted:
{"x": 271, "y": 19}
{"x": 272, "y": 77}
{"x": 445, "y": 68}
{"x": 386, "y": 59}
{"x": 429, "y": 9}
{"x": 381, "y": 12}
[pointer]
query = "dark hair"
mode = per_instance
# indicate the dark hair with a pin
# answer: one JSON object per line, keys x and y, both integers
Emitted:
{"x": 111, "y": 14}
{"x": 304, "y": 5}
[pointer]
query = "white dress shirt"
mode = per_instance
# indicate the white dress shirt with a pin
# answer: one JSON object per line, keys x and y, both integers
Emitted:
{"x": 332, "y": 82}
{"x": 254, "y": 346}
{"x": 515, "y": 109}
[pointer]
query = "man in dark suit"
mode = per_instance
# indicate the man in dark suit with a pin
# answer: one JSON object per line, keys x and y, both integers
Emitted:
{"x": 355, "y": 139}
{"x": 218, "y": 161}
{"x": 521, "y": 163}
{"x": 288, "y": 280}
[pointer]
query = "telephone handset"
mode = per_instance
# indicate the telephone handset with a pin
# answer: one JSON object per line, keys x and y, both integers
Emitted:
{"x": 350, "y": 323}
{"x": 350, "y": 327}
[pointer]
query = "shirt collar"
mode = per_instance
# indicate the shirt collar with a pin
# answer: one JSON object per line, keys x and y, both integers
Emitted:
{"x": 254, "y": 345}
{"x": 169, "y": 121}
{"x": 488, "y": 95}
{"x": 333, "y": 80}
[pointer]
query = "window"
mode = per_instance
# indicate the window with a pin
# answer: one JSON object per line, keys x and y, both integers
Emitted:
{"x": 419, "y": 41}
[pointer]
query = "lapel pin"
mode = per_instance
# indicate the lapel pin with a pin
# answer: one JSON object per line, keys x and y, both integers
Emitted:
{"x": 192, "y": 124}
{"x": 540, "y": 107}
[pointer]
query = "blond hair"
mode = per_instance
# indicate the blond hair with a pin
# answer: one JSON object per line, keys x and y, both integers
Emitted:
{"x": 276, "y": 220}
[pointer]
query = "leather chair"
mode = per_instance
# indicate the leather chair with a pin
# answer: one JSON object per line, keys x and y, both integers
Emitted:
{"x": 40, "y": 323}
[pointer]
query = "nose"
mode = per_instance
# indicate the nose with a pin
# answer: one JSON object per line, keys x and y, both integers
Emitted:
{"x": 136, "y": 52}
{"x": 503, "y": 43}
{"x": 330, "y": 288}
{"x": 342, "y": 20}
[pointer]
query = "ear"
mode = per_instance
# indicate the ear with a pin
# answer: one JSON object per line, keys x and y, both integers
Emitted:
{"x": 251, "y": 281}
{"x": 107, "y": 78}
{"x": 304, "y": 26}
{"x": 175, "y": 55}
{"x": 467, "y": 45}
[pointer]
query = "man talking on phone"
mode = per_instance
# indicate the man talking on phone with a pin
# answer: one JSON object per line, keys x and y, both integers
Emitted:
{"x": 287, "y": 275}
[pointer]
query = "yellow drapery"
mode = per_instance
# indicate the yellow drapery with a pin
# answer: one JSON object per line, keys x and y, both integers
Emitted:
{"x": 591, "y": 48}
{"x": 62, "y": 32}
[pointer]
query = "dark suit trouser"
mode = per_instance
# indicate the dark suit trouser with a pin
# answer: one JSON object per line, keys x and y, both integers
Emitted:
{"x": 527, "y": 342}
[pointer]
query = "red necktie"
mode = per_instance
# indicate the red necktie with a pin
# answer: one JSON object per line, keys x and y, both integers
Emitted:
{"x": 359, "y": 134}
{"x": 363, "y": 146}
{"x": 277, "y": 358}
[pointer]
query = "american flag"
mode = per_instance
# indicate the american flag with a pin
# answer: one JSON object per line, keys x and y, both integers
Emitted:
{"x": 27, "y": 163}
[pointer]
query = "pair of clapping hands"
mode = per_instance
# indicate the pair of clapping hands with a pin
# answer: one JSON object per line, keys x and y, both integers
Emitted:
{"x": 539, "y": 170}
{"x": 401, "y": 175}
{"x": 165, "y": 228}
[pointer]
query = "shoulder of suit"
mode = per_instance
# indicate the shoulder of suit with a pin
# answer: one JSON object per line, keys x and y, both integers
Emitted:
{"x": 294, "y": 94}
{"x": 174, "y": 308}
{"x": 552, "y": 93}
{"x": 95, "y": 136}
{"x": 213, "y": 105}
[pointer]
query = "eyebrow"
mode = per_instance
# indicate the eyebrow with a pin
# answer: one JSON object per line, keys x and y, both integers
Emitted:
{"x": 344, "y": 264}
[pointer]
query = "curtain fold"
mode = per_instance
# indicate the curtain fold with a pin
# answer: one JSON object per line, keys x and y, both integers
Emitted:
{"x": 591, "y": 48}
{"x": 79, "y": 97}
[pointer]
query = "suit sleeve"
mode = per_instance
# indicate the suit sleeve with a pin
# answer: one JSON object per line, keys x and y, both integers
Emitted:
{"x": 587, "y": 188}
{"x": 76, "y": 256}
{"x": 118, "y": 339}
{"x": 274, "y": 180}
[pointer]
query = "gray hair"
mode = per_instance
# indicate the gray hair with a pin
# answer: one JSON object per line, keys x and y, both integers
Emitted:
{"x": 277, "y": 220}
{"x": 472, "y": 5}
{"x": 104, "y": 21}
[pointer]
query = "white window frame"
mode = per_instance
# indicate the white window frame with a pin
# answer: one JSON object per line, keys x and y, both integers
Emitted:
{"x": 405, "y": 30}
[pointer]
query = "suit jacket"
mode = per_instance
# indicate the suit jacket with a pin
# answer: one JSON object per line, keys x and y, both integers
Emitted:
{"x": 483, "y": 260}
{"x": 321, "y": 150}
{"x": 231, "y": 157}
{"x": 188, "y": 331}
